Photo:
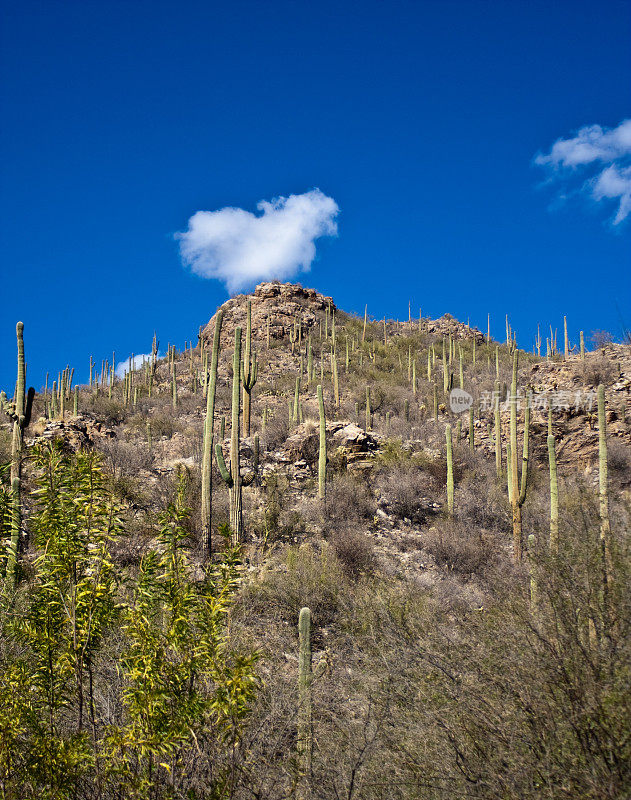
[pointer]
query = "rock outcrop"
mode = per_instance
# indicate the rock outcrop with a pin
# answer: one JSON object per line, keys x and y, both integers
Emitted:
{"x": 279, "y": 303}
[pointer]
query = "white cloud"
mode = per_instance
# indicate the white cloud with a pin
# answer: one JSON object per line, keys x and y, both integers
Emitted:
{"x": 240, "y": 248}
{"x": 615, "y": 182}
{"x": 123, "y": 366}
{"x": 607, "y": 151}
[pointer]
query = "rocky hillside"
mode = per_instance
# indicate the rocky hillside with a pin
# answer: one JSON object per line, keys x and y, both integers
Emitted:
{"x": 280, "y": 310}
{"x": 145, "y": 443}
{"x": 438, "y": 636}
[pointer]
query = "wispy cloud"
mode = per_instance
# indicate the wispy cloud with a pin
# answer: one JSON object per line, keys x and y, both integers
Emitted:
{"x": 601, "y": 157}
{"x": 240, "y": 248}
{"x": 123, "y": 366}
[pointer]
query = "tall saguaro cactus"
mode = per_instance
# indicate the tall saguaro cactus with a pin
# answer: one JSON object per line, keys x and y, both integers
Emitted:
{"x": 517, "y": 491}
{"x": 232, "y": 477}
{"x": 322, "y": 452}
{"x": 250, "y": 373}
{"x": 605, "y": 527}
{"x": 305, "y": 679}
{"x": 497, "y": 431}
{"x": 566, "y": 340}
{"x": 208, "y": 439}
{"x": 554, "y": 497}
{"x": 20, "y": 413}
{"x": 450, "y": 472}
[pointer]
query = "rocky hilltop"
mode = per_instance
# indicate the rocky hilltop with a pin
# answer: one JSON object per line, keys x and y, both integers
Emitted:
{"x": 275, "y": 307}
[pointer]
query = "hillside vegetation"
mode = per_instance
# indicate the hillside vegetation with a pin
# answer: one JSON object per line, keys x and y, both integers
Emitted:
{"x": 462, "y": 578}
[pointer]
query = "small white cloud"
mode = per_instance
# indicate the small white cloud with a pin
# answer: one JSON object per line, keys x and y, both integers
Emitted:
{"x": 594, "y": 145}
{"x": 615, "y": 183}
{"x": 240, "y": 248}
{"x": 123, "y": 366}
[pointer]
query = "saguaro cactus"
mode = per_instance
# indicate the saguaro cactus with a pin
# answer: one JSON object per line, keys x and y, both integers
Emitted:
{"x": 208, "y": 439}
{"x": 336, "y": 379}
{"x": 310, "y": 371}
{"x": 554, "y": 497}
{"x": 450, "y": 472}
{"x": 305, "y": 679}
{"x": 605, "y": 527}
{"x": 250, "y": 373}
{"x": 20, "y": 413}
{"x": 517, "y": 492}
{"x": 566, "y": 341}
{"x": 322, "y": 453}
{"x": 497, "y": 431}
{"x": 232, "y": 477}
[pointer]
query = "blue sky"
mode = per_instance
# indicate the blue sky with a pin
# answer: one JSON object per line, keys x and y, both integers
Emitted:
{"x": 421, "y": 120}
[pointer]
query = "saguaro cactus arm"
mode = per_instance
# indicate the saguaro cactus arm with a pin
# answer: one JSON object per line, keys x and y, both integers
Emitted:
{"x": 223, "y": 469}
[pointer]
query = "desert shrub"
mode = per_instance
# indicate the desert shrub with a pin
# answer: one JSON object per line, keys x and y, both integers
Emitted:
{"x": 619, "y": 460}
{"x": 459, "y": 547}
{"x": 533, "y": 673}
{"x": 112, "y": 411}
{"x": 403, "y": 489}
{"x": 598, "y": 370}
{"x": 311, "y": 575}
{"x": 5, "y": 446}
{"x": 436, "y": 465}
{"x": 125, "y": 458}
{"x": 276, "y": 430}
{"x": 354, "y": 551}
{"x": 482, "y": 504}
{"x": 275, "y": 519}
{"x": 164, "y": 422}
{"x": 348, "y": 498}
{"x": 393, "y": 453}
{"x": 601, "y": 338}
